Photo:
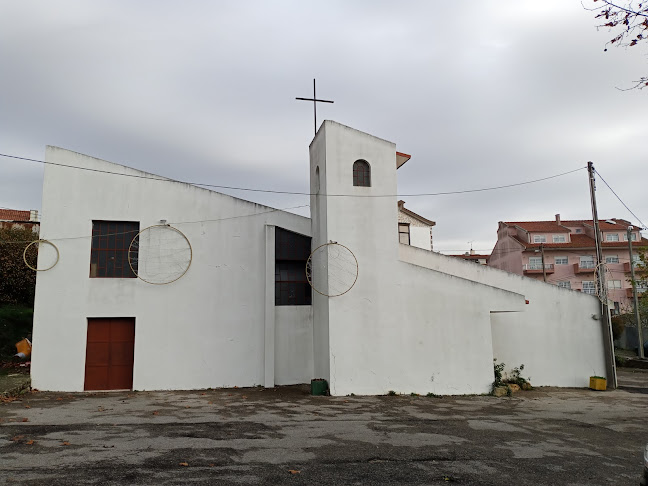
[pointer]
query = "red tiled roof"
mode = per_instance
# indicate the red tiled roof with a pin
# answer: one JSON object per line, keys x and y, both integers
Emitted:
{"x": 553, "y": 226}
{"x": 540, "y": 226}
{"x": 14, "y": 215}
{"x": 621, "y": 224}
{"x": 476, "y": 256}
{"x": 582, "y": 241}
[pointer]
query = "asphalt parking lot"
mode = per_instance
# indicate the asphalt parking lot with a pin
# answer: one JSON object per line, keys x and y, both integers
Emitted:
{"x": 547, "y": 436}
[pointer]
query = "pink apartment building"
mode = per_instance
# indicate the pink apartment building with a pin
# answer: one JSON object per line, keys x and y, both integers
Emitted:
{"x": 569, "y": 254}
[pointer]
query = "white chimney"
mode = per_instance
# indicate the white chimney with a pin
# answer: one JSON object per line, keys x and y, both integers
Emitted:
{"x": 33, "y": 215}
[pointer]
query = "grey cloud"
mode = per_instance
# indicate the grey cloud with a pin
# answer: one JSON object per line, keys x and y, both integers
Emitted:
{"x": 480, "y": 93}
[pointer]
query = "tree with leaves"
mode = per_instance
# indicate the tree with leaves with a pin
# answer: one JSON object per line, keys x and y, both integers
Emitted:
{"x": 17, "y": 286}
{"x": 628, "y": 20}
{"x": 17, "y": 281}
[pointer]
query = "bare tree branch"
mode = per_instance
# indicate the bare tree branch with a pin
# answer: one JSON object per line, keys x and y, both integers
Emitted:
{"x": 632, "y": 18}
{"x": 639, "y": 12}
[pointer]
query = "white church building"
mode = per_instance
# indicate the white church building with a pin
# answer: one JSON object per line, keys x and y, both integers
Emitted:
{"x": 231, "y": 302}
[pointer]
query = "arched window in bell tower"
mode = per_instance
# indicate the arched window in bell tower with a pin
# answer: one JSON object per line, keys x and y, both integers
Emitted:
{"x": 361, "y": 173}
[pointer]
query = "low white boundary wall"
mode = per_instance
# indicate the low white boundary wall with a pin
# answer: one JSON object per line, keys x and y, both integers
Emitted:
{"x": 558, "y": 337}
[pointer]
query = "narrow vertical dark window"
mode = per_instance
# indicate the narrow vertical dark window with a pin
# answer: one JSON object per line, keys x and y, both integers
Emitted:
{"x": 110, "y": 243}
{"x": 361, "y": 173}
{"x": 291, "y": 253}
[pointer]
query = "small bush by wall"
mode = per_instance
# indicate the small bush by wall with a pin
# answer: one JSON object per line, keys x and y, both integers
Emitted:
{"x": 15, "y": 324}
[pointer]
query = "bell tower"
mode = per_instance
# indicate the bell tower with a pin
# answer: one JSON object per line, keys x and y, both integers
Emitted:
{"x": 353, "y": 203}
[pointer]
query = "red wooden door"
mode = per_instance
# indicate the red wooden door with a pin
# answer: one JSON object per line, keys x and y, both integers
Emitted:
{"x": 109, "y": 354}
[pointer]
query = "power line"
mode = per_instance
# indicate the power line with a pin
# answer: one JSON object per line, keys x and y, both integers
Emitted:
{"x": 643, "y": 226}
{"x": 271, "y": 191}
{"x": 174, "y": 222}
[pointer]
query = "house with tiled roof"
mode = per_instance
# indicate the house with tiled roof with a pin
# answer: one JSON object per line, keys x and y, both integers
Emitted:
{"x": 471, "y": 256}
{"x": 563, "y": 253}
{"x": 414, "y": 229}
{"x": 16, "y": 218}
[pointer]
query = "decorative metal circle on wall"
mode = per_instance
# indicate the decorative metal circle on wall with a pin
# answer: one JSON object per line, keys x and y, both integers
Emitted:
{"x": 337, "y": 263}
{"x": 160, "y": 254}
{"x": 48, "y": 254}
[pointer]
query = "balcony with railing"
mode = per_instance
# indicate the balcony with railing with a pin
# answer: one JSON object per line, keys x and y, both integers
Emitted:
{"x": 640, "y": 290}
{"x": 637, "y": 267}
{"x": 531, "y": 268}
{"x": 584, "y": 267}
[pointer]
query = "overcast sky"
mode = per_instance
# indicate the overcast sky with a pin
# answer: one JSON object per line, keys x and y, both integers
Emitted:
{"x": 481, "y": 93}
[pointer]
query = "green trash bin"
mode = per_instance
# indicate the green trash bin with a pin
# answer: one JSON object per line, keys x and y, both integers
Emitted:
{"x": 319, "y": 386}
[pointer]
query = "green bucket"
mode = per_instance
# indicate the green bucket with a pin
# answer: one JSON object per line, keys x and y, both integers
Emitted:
{"x": 319, "y": 386}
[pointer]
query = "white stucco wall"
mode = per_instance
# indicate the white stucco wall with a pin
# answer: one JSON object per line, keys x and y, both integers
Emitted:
{"x": 555, "y": 337}
{"x": 401, "y": 327}
{"x": 420, "y": 322}
{"x": 319, "y": 208}
{"x": 420, "y": 237}
{"x": 205, "y": 330}
{"x": 293, "y": 344}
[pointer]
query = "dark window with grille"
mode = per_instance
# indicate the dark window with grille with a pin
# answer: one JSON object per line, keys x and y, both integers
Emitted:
{"x": 110, "y": 243}
{"x": 291, "y": 253}
{"x": 361, "y": 173}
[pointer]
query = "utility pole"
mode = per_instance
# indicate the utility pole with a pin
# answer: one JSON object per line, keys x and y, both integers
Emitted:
{"x": 634, "y": 293}
{"x": 544, "y": 271}
{"x": 602, "y": 289}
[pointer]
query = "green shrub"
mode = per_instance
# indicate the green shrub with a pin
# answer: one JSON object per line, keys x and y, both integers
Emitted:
{"x": 17, "y": 281}
{"x": 15, "y": 324}
{"x": 499, "y": 372}
{"x": 618, "y": 325}
{"x": 516, "y": 376}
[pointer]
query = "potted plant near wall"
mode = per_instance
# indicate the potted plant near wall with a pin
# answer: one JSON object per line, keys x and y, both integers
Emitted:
{"x": 597, "y": 383}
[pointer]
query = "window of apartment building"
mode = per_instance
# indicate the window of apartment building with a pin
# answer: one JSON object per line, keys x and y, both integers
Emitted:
{"x": 578, "y": 230}
{"x": 111, "y": 241}
{"x": 633, "y": 236}
{"x": 614, "y": 284}
{"x": 561, "y": 260}
{"x": 588, "y": 287}
{"x": 612, "y": 237}
{"x": 535, "y": 263}
{"x": 586, "y": 261}
{"x": 559, "y": 238}
{"x": 617, "y": 309}
{"x": 291, "y": 253}
{"x": 404, "y": 233}
{"x": 539, "y": 239}
{"x": 564, "y": 285}
{"x": 612, "y": 259}
{"x": 361, "y": 173}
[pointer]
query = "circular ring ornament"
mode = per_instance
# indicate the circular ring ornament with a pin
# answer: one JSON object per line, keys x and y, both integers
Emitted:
{"x": 41, "y": 241}
{"x": 160, "y": 254}
{"x": 338, "y": 263}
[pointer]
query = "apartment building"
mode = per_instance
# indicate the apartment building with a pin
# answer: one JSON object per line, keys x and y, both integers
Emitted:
{"x": 563, "y": 253}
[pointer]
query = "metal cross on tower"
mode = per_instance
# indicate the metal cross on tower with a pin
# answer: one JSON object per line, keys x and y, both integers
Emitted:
{"x": 315, "y": 101}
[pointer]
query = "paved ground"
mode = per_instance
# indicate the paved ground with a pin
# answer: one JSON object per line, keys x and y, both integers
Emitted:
{"x": 256, "y": 436}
